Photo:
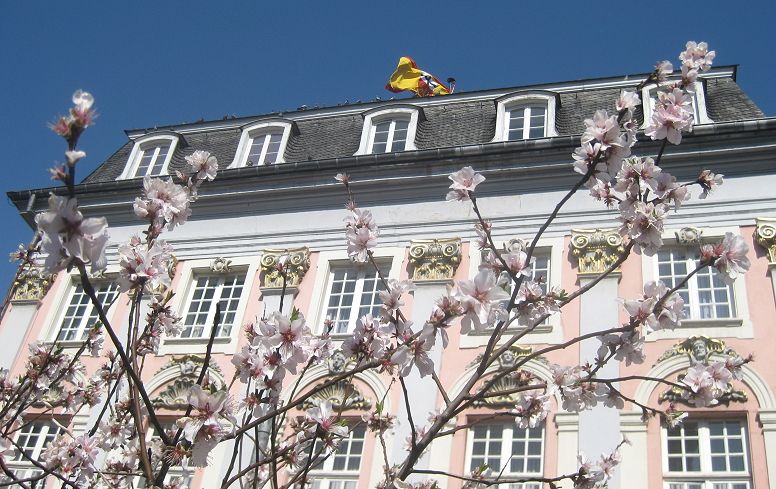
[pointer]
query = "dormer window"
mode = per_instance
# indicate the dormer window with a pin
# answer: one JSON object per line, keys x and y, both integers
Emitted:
{"x": 263, "y": 143}
{"x": 150, "y": 156}
{"x": 697, "y": 94}
{"x": 525, "y": 115}
{"x": 388, "y": 130}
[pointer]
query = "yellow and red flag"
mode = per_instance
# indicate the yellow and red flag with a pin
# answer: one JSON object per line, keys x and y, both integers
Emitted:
{"x": 408, "y": 77}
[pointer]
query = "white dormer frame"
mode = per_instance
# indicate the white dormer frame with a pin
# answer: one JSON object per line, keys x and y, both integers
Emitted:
{"x": 649, "y": 94}
{"x": 145, "y": 143}
{"x": 258, "y": 129}
{"x": 519, "y": 101}
{"x": 375, "y": 116}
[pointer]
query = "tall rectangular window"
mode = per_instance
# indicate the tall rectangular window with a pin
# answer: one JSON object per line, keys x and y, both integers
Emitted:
{"x": 705, "y": 295}
{"x": 81, "y": 314}
{"x": 707, "y": 455}
{"x": 508, "y": 448}
{"x": 207, "y": 291}
{"x": 340, "y": 470}
{"x": 352, "y": 292}
{"x": 527, "y": 122}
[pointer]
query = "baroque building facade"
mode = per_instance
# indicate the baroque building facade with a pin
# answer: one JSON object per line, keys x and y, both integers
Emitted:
{"x": 275, "y": 198}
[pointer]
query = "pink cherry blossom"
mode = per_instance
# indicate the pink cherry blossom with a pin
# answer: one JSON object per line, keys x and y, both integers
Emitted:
{"x": 67, "y": 236}
{"x": 205, "y": 166}
{"x": 464, "y": 181}
{"x": 697, "y": 56}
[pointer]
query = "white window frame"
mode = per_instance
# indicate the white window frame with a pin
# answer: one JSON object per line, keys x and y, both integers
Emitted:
{"x": 217, "y": 282}
{"x": 548, "y": 333}
{"x": 706, "y": 477}
{"x": 520, "y": 101}
{"x": 325, "y": 474}
{"x": 329, "y": 260}
{"x": 693, "y": 304}
{"x": 505, "y": 456}
{"x": 61, "y": 298}
{"x": 649, "y": 93}
{"x": 144, "y": 144}
{"x": 361, "y": 271}
{"x": 86, "y": 320}
{"x": 739, "y": 326}
{"x": 376, "y": 116}
{"x": 22, "y": 467}
{"x": 185, "y": 282}
{"x": 262, "y": 129}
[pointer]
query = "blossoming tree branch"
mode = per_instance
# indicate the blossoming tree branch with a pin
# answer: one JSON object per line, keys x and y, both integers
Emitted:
{"x": 127, "y": 445}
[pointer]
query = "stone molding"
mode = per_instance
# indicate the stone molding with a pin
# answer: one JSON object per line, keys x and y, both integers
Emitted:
{"x": 689, "y": 235}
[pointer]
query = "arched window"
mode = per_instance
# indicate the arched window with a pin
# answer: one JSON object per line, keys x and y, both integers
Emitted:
{"x": 525, "y": 115}
{"x": 150, "y": 156}
{"x": 387, "y": 130}
{"x": 263, "y": 143}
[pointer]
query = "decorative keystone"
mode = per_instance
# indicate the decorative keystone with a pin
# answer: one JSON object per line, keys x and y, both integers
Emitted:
{"x": 689, "y": 235}
{"x": 595, "y": 250}
{"x": 295, "y": 262}
{"x": 435, "y": 259}
{"x": 221, "y": 265}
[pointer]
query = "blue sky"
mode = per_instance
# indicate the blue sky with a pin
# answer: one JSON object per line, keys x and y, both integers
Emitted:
{"x": 160, "y": 63}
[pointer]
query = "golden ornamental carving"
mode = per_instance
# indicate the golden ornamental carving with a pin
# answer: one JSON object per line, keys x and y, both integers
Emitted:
{"x": 221, "y": 265}
{"x": 435, "y": 259}
{"x": 595, "y": 250}
{"x": 765, "y": 235}
{"x": 689, "y": 235}
{"x": 699, "y": 348}
{"x": 294, "y": 262}
{"x": 340, "y": 394}
{"x": 32, "y": 283}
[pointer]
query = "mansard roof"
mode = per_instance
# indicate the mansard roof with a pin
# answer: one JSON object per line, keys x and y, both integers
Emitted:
{"x": 458, "y": 120}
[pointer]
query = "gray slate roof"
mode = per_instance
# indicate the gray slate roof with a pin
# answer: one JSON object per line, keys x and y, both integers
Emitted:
{"x": 461, "y": 122}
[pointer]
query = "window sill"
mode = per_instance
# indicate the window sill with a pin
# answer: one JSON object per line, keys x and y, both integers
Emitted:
{"x": 711, "y": 323}
{"x": 221, "y": 340}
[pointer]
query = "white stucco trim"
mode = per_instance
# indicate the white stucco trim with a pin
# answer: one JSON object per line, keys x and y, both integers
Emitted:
{"x": 667, "y": 368}
{"x": 328, "y": 259}
{"x": 224, "y": 344}
{"x": 522, "y": 99}
{"x": 320, "y": 371}
{"x": 254, "y": 130}
{"x": 649, "y": 94}
{"x": 373, "y": 117}
{"x": 144, "y": 143}
{"x": 546, "y": 334}
{"x": 739, "y": 327}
